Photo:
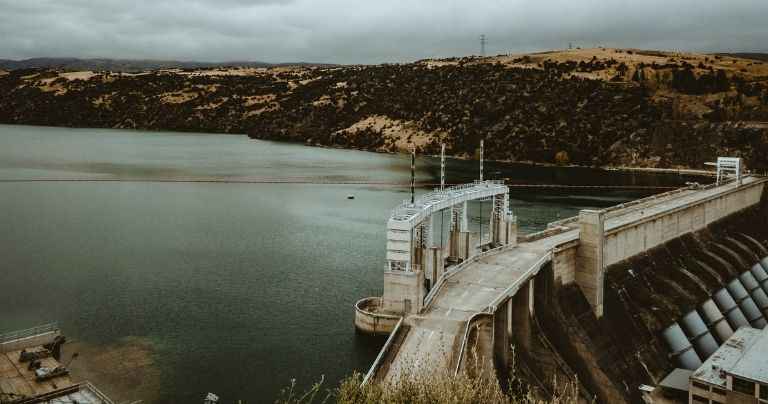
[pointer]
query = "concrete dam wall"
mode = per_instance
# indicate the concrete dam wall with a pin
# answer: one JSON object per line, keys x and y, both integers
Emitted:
{"x": 660, "y": 271}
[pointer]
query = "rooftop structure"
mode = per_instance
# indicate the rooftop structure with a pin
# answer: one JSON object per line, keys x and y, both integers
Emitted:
{"x": 410, "y": 214}
{"x": 410, "y": 223}
{"x": 737, "y": 371}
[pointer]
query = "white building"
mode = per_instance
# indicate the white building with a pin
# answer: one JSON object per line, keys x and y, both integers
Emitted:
{"x": 736, "y": 373}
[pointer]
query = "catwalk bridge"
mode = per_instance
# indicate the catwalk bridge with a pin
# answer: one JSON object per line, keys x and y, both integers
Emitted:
{"x": 487, "y": 273}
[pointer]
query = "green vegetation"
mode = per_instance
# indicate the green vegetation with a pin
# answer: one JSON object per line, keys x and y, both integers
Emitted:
{"x": 649, "y": 109}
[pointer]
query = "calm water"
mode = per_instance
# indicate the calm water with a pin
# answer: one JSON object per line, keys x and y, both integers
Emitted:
{"x": 237, "y": 287}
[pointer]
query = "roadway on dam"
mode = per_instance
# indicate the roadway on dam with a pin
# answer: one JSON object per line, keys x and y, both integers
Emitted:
{"x": 433, "y": 342}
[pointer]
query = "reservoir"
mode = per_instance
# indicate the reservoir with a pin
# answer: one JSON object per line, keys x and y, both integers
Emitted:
{"x": 235, "y": 280}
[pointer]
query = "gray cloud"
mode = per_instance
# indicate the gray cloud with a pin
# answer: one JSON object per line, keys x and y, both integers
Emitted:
{"x": 362, "y": 31}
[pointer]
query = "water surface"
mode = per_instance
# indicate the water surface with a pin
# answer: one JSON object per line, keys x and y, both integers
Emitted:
{"x": 236, "y": 288}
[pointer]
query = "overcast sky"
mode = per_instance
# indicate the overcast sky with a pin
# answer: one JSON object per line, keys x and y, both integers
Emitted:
{"x": 368, "y": 31}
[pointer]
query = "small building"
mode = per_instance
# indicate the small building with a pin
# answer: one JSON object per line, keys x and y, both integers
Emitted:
{"x": 673, "y": 387}
{"x": 736, "y": 373}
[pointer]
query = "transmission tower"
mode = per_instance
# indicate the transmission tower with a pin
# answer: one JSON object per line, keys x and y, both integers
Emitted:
{"x": 483, "y": 41}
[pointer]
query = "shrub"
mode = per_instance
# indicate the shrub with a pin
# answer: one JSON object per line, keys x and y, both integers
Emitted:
{"x": 427, "y": 388}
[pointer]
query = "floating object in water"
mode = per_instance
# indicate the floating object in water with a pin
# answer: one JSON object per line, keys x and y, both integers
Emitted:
{"x": 350, "y": 196}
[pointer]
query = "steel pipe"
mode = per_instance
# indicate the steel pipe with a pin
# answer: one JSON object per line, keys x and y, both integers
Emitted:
{"x": 730, "y": 309}
{"x": 680, "y": 348}
{"x": 755, "y": 291}
{"x": 698, "y": 333}
{"x": 745, "y": 302}
{"x": 716, "y": 321}
{"x": 761, "y": 275}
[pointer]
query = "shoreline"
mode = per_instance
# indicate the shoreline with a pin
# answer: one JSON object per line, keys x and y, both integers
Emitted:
{"x": 529, "y": 163}
{"x": 647, "y": 170}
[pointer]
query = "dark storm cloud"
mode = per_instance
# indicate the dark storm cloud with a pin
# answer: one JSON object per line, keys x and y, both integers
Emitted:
{"x": 362, "y": 31}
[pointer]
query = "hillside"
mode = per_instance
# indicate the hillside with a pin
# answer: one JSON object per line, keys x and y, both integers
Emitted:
{"x": 126, "y": 65}
{"x": 585, "y": 106}
{"x": 748, "y": 55}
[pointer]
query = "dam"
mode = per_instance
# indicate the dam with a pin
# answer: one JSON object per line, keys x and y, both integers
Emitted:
{"x": 490, "y": 290}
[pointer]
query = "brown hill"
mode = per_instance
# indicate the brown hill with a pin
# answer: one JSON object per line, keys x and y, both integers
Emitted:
{"x": 585, "y": 106}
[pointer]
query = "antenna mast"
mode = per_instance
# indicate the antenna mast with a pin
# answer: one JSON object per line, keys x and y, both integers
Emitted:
{"x": 413, "y": 174}
{"x": 483, "y": 40}
{"x": 442, "y": 166}
{"x": 482, "y": 150}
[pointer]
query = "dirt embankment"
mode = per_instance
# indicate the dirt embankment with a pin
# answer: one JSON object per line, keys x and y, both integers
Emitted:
{"x": 597, "y": 107}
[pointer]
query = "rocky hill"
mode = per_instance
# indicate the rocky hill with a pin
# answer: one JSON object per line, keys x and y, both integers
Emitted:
{"x": 588, "y": 107}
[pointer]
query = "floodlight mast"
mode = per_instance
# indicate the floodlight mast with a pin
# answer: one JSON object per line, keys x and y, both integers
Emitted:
{"x": 442, "y": 166}
{"x": 482, "y": 151}
{"x": 413, "y": 174}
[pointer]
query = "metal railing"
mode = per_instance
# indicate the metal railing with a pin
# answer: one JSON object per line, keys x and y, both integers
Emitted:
{"x": 406, "y": 210}
{"x": 563, "y": 222}
{"x": 512, "y": 289}
{"x": 53, "y": 396}
{"x": 379, "y": 301}
{"x": 548, "y": 232}
{"x": 384, "y": 350}
{"x": 98, "y": 393}
{"x": 698, "y": 201}
{"x": 612, "y": 211}
{"x": 491, "y": 308}
{"x": 465, "y": 338}
{"x": 29, "y": 332}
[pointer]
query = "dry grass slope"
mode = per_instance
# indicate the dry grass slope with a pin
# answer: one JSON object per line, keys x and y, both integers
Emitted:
{"x": 432, "y": 389}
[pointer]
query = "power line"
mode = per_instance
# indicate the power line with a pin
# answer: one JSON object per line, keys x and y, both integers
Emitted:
{"x": 311, "y": 181}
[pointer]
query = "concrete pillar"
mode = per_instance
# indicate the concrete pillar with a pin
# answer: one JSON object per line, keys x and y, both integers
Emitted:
{"x": 464, "y": 217}
{"x": 508, "y": 230}
{"x": 522, "y": 308}
{"x": 473, "y": 244}
{"x": 531, "y": 296}
{"x": 433, "y": 264}
{"x": 457, "y": 237}
{"x": 501, "y": 339}
{"x": 404, "y": 292}
{"x": 509, "y": 316}
{"x": 462, "y": 244}
{"x": 495, "y": 225}
{"x": 453, "y": 245}
{"x": 589, "y": 258}
{"x": 417, "y": 258}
